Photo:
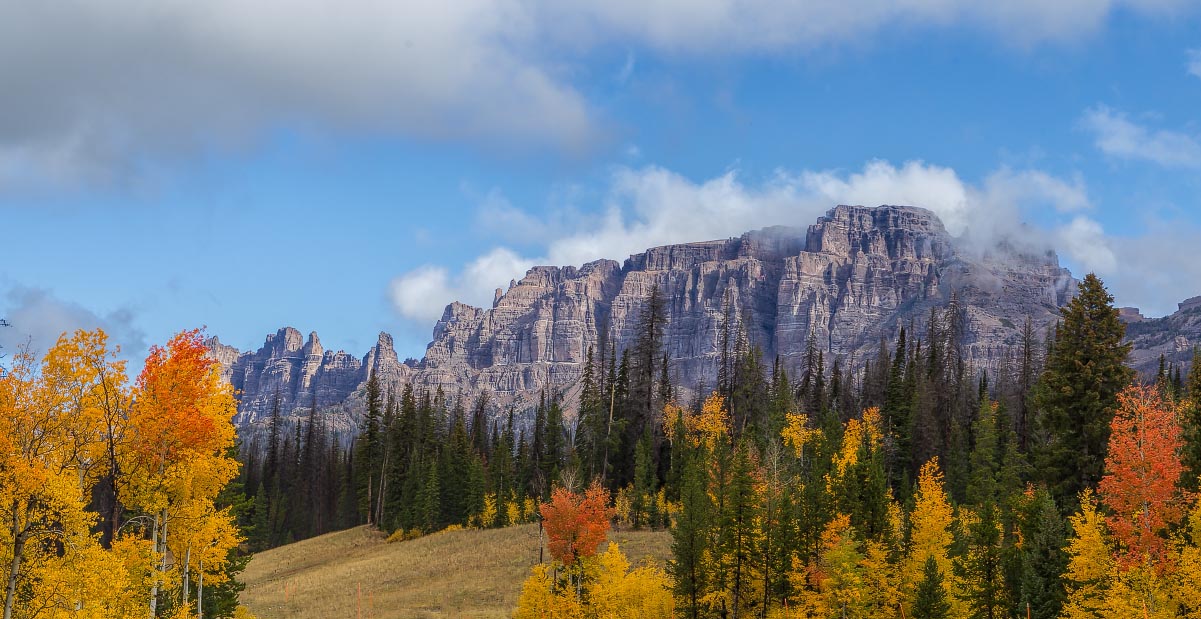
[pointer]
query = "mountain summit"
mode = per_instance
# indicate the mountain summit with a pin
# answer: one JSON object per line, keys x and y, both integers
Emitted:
{"x": 853, "y": 278}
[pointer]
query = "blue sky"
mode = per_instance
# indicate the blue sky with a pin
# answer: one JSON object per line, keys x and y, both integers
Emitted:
{"x": 352, "y": 169}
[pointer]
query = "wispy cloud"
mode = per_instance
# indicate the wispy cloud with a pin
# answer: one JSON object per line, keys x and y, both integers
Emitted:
{"x": 651, "y": 206}
{"x": 1119, "y": 137}
{"x": 1194, "y": 62}
{"x": 94, "y": 91}
{"x": 38, "y": 317}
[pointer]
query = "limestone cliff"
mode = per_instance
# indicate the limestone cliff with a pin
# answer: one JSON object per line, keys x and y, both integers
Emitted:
{"x": 857, "y": 275}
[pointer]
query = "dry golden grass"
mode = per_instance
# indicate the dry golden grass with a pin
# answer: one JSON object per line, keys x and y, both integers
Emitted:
{"x": 468, "y": 573}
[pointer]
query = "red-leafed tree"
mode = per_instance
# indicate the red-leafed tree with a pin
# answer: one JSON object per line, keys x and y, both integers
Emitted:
{"x": 575, "y": 524}
{"x": 1141, "y": 471}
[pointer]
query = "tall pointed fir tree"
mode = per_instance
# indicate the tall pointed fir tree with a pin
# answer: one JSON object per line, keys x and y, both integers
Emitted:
{"x": 1191, "y": 426}
{"x": 1078, "y": 392}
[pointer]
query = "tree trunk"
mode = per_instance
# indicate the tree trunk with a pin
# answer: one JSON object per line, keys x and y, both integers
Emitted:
{"x": 14, "y": 568}
{"x": 370, "y": 504}
{"x": 187, "y": 565}
{"x": 200, "y": 593}
{"x": 154, "y": 587}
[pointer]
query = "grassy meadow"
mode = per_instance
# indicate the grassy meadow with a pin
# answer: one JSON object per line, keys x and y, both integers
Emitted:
{"x": 357, "y": 574}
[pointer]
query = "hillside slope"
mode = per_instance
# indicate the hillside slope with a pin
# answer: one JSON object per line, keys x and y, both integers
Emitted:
{"x": 469, "y": 573}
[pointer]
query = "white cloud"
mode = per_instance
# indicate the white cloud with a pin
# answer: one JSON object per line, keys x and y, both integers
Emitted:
{"x": 1119, "y": 137}
{"x": 1151, "y": 272}
{"x": 652, "y": 206}
{"x": 1084, "y": 240}
{"x": 423, "y": 293}
{"x": 89, "y": 87}
{"x": 94, "y": 91}
{"x": 38, "y": 318}
{"x": 1194, "y": 62}
{"x": 1036, "y": 188}
{"x": 916, "y": 183}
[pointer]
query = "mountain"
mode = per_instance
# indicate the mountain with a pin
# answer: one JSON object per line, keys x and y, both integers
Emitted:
{"x": 855, "y": 276}
{"x": 1174, "y": 336}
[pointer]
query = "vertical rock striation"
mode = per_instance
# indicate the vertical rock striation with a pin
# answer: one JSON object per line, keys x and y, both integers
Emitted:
{"x": 856, "y": 276}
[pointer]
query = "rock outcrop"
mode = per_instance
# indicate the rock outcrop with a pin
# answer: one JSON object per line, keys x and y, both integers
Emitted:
{"x": 1173, "y": 336}
{"x": 856, "y": 276}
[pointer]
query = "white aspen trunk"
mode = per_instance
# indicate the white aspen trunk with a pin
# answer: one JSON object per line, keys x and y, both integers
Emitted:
{"x": 14, "y": 568}
{"x": 187, "y": 565}
{"x": 200, "y": 592}
{"x": 154, "y": 587}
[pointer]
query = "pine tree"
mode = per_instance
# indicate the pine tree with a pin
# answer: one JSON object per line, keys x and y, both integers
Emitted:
{"x": 428, "y": 506}
{"x": 931, "y": 599}
{"x": 370, "y": 453}
{"x": 984, "y": 462}
{"x": 1042, "y": 556}
{"x": 979, "y": 568}
{"x": 1077, "y": 393}
{"x": 1027, "y": 375}
{"x": 591, "y": 436}
{"x": 690, "y": 537}
{"x": 1190, "y": 455}
{"x": 897, "y": 403}
{"x": 739, "y": 515}
{"x": 553, "y": 441}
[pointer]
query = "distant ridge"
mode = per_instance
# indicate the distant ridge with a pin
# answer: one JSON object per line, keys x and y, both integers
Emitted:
{"x": 855, "y": 276}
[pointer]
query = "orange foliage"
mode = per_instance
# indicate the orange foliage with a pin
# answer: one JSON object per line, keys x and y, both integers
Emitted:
{"x": 176, "y": 395}
{"x": 576, "y": 525}
{"x": 1141, "y": 471}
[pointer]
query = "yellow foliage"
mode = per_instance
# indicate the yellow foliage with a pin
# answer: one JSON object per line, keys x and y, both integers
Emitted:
{"x": 618, "y": 593}
{"x": 1091, "y": 567}
{"x": 855, "y": 435}
{"x": 610, "y": 590}
{"x": 672, "y": 413}
{"x": 66, "y": 423}
{"x": 623, "y": 507}
{"x": 841, "y": 576}
{"x": 882, "y": 581}
{"x": 797, "y": 434}
{"x": 241, "y": 612}
{"x": 712, "y": 424}
{"x": 930, "y": 522}
{"x": 540, "y": 600}
{"x": 1188, "y": 581}
{"x": 487, "y": 517}
{"x": 512, "y": 510}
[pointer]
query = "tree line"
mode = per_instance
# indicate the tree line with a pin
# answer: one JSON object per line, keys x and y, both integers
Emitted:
{"x": 921, "y": 487}
{"x": 914, "y": 483}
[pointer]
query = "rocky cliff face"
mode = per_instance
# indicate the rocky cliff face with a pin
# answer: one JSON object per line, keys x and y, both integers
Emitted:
{"x": 295, "y": 371}
{"x": 1173, "y": 336}
{"x": 855, "y": 276}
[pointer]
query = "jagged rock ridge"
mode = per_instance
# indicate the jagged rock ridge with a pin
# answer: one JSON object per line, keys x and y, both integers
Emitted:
{"x": 856, "y": 275}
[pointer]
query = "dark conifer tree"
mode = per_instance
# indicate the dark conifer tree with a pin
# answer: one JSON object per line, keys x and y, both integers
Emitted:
{"x": 690, "y": 538}
{"x": 1191, "y": 454}
{"x": 931, "y": 600}
{"x": 896, "y": 416}
{"x": 1077, "y": 393}
{"x": 1042, "y": 559}
{"x": 981, "y": 568}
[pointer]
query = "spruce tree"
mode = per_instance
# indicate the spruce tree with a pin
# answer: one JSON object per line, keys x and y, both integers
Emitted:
{"x": 896, "y": 418}
{"x": 1191, "y": 454}
{"x": 980, "y": 567}
{"x": 931, "y": 599}
{"x": 1077, "y": 394}
{"x": 690, "y": 538}
{"x": 1043, "y": 559}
